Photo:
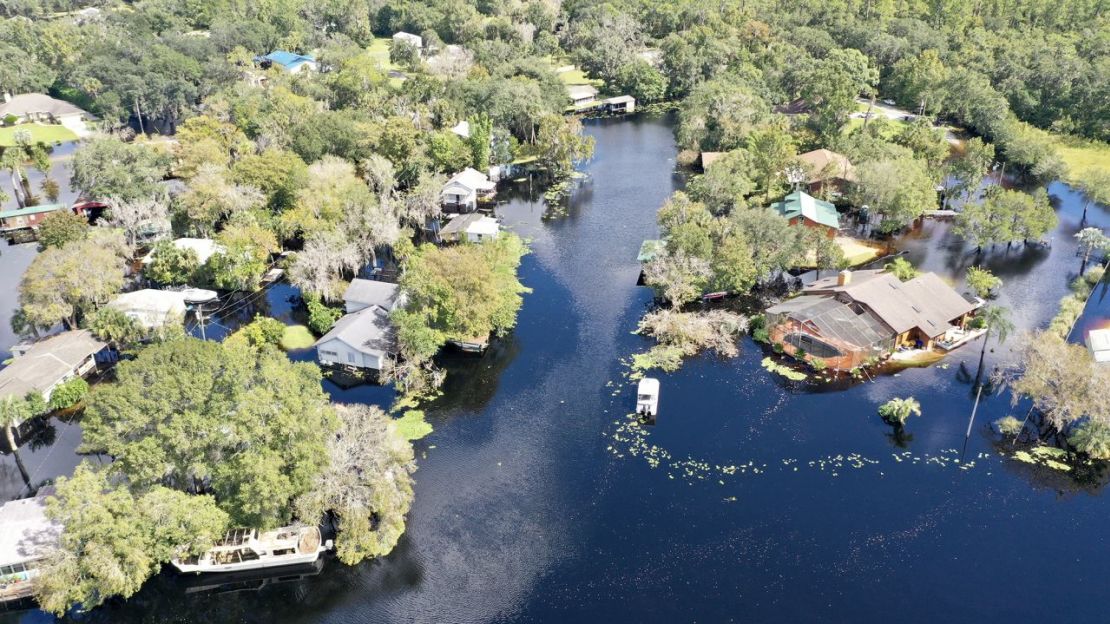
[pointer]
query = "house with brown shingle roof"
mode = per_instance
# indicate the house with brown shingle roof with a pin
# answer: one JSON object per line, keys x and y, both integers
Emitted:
{"x": 826, "y": 168}
{"x": 854, "y": 316}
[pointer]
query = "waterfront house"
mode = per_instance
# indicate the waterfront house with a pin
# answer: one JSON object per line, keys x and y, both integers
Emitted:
{"x": 463, "y": 191}
{"x": 151, "y": 308}
{"x": 364, "y": 293}
{"x": 415, "y": 41}
{"x": 44, "y": 365}
{"x": 41, "y": 108}
{"x": 619, "y": 105}
{"x": 801, "y": 209}
{"x": 27, "y": 537}
{"x": 27, "y": 218}
{"x": 852, "y": 317}
{"x": 474, "y": 228}
{"x": 827, "y": 169}
{"x": 361, "y": 340}
{"x": 289, "y": 61}
{"x": 581, "y": 95}
{"x": 1098, "y": 343}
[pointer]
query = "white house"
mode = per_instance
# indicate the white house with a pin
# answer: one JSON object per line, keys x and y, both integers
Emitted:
{"x": 581, "y": 95}
{"x": 1098, "y": 343}
{"x": 364, "y": 293}
{"x": 620, "y": 104}
{"x": 415, "y": 41}
{"x": 42, "y": 366}
{"x": 462, "y": 191}
{"x": 474, "y": 228}
{"x": 363, "y": 339}
{"x": 28, "y": 538}
{"x": 38, "y": 107}
{"x": 151, "y": 308}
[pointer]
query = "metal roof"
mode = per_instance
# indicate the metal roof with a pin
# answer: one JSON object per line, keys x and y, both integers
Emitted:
{"x": 802, "y": 204}
{"x": 47, "y": 362}
{"x": 27, "y": 533}
{"x": 30, "y": 210}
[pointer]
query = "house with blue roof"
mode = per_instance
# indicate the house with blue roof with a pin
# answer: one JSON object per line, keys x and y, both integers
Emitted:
{"x": 289, "y": 61}
{"x": 802, "y": 209}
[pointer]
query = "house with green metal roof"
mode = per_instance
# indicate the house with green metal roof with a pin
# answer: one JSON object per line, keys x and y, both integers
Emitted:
{"x": 28, "y": 217}
{"x": 802, "y": 209}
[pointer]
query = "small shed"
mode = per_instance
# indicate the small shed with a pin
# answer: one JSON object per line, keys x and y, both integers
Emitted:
{"x": 1098, "y": 343}
{"x": 802, "y": 209}
{"x": 622, "y": 104}
{"x": 364, "y": 339}
{"x": 29, "y": 217}
{"x": 151, "y": 308}
{"x": 28, "y": 538}
{"x": 474, "y": 228}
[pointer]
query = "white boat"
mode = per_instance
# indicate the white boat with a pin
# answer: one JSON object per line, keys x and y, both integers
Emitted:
{"x": 647, "y": 397}
{"x": 198, "y": 295}
{"x": 249, "y": 549}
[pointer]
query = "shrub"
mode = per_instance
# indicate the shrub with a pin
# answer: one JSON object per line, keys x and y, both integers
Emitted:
{"x": 69, "y": 393}
{"x": 777, "y": 347}
{"x": 800, "y": 354}
{"x": 171, "y": 266}
{"x": 818, "y": 364}
{"x": 1008, "y": 425}
{"x": 262, "y": 330}
{"x": 1092, "y": 438}
{"x": 320, "y": 316}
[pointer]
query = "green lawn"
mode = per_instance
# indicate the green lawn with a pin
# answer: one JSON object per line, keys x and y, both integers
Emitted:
{"x": 297, "y": 337}
{"x": 48, "y": 134}
{"x": 1082, "y": 156}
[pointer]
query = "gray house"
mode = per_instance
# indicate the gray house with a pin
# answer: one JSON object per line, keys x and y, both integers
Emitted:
{"x": 364, "y": 338}
{"x": 43, "y": 365}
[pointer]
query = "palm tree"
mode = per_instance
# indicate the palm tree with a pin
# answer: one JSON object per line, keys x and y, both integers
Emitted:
{"x": 998, "y": 324}
{"x": 896, "y": 411}
{"x": 13, "y": 411}
{"x": 16, "y": 158}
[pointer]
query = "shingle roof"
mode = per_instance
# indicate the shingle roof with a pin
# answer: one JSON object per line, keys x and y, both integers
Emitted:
{"x": 924, "y": 302}
{"x": 825, "y": 164}
{"x": 368, "y": 331}
{"x": 372, "y": 292}
{"x": 47, "y": 362}
{"x": 28, "y": 534}
{"x": 801, "y": 204}
{"x": 31, "y": 103}
{"x": 471, "y": 179}
{"x": 581, "y": 92}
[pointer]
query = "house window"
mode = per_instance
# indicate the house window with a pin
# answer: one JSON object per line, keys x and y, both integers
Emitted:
{"x": 351, "y": 358}
{"x": 329, "y": 353}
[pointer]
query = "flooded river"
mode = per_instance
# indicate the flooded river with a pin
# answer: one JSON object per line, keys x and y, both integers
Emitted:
{"x": 753, "y": 499}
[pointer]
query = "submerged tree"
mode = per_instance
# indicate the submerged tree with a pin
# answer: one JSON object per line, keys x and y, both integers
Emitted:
{"x": 367, "y": 484}
{"x": 1063, "y": 381}
{"x": 1091, "y": 240}
{"x": 897, "y": 411}
{"x": 982, "y": 282}
{"x": 997, "y": 322}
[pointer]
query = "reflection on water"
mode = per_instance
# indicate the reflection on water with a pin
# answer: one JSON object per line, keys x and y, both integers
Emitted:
{"x": 768, "y": 502}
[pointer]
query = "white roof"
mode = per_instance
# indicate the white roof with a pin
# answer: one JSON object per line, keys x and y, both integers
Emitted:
{"x": 1098, "y": 340}
{"x": 486, "y": 226}
{"x": 367, "y": 331}
{"x": 33, "y": 103}
{"x": 204, "y": 248}
{"x": 471, "y": 179}
{"x": 150, "y": 307}
{"x": 27, "y": 533}
{"x": 416, "y": 40}
{"x": 581, "y": 92}
{"x": 621, "y": 99}
{"x": 47, "y": 362}
{"x": 462, "y": 129}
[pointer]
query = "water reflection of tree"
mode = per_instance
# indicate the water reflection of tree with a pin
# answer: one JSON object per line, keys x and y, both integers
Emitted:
{"x": 1084, "y": 477}
{"x": 472, "y": 380}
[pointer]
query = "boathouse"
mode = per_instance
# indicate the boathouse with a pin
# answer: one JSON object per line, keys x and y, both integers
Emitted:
{"x": 850, "y": 318}
{"x": 29, "y": 217}
{"x": 465, "y": 189}
{"x": 27, "y": 538}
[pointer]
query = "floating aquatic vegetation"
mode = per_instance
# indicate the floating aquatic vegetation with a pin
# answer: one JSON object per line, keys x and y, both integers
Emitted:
{"x": 412, "y": 425}
{"x": 785, "y": 371}
{"x": 1048, "y": 456}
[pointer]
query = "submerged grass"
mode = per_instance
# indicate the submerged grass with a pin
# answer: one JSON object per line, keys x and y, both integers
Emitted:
{"x": 297, "y": 337}
{"x": 412, "y": 425}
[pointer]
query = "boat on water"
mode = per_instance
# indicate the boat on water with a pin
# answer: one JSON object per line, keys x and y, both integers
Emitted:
{"x": 647, "y": 397}
{"x": 250, "y": 549}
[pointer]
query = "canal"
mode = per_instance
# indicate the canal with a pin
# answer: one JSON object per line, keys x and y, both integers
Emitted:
{"x": 754, "y": 498}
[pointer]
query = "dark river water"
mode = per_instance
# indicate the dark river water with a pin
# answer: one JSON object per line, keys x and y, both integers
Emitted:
{"x": 753, "y": 499}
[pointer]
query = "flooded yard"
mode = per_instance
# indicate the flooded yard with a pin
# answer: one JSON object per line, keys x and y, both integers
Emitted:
{"x": 753, "y": 498}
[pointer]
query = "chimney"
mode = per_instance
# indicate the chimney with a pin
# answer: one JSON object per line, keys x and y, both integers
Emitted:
{"x": 844, "y": 278}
